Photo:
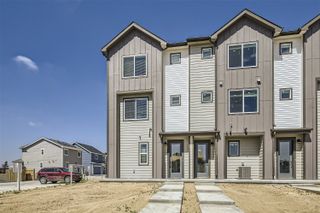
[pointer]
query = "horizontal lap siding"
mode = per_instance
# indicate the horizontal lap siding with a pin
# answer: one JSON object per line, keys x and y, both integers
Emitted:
{"x": 202, "y": 78}
{"x": 177, "y": 83}
{"x": 130, "y": 134}
{"x": 299, "y": 160}
{"x": 288, "y": 74}
{"x": 249, "y": 156}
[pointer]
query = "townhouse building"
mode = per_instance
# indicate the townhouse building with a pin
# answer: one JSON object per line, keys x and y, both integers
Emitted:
{"x": 243, "y": 102}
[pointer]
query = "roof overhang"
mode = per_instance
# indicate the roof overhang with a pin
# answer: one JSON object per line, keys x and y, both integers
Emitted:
{"x": 50, "y": 141}
{"x": 190, "y": 133}
{"x": 306, "y": 26}
{"x": 291, "y": 131}
{"x": 277, "y": 29}
{"x": 131, "y": 26}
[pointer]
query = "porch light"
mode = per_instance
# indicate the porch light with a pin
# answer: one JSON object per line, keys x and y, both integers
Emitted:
{"x": 245, "y": 131}
{"x": 258, "y": 81}
{"x": 220, "y": 83}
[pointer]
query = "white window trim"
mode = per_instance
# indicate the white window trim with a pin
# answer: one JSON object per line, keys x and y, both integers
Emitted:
{"x": 238, "y": 150}
{"x": 203, "y": 48}
{"x": 242, "y": 44}
{"x": 207, "y": 91}
{"x": 172, "y": 96}
{"x": 280, "y": 48}
{"x": 135, "y": 109}
{"x": 143, "y": 153}
{"x": 134, "y": 66}
{"x": 79, "y": 152}
{"x": 236, "y": 113}
{"x": 65, "y": 153}
{"x": 175, "y": 53}
{"x": 285, "y": 99}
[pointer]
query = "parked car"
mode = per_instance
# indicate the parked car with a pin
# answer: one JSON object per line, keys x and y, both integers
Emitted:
{"x": 55, "y": 174}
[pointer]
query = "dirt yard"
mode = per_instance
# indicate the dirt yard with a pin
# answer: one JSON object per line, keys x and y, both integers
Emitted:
{"x": 82, "y": 197}
{"x": 254, "y": 198}
{"x": 190, "y": 202}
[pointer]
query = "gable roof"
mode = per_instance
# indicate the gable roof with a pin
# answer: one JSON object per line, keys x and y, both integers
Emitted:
{"x": 133, "y": 25}
{"x": 58, "y": 143}
{"x": 306, "y": 26}
{"x": 247, "y": 12}
{"x": 88, "y": 148}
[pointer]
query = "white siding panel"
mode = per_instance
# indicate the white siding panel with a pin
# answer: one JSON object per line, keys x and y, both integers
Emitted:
{"x": 52, "y": 156}
{"x": 177, "y": 83}
{"x": 131, "y": 133}
{"x": 318, "y": 131}
{"x": 250, "y": 151}
{"x": 288, "y": 74}
{"x": 212, "y": 163}
{"x": 202, "y": 78}
{"x": 299, "y": 160}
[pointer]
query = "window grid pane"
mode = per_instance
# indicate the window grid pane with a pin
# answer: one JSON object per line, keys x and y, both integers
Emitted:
{"x": 140, "y": 65}
{"x": 236, "y": 101}
{"x": 141, "y": 108}
{"x": 249, "y": 55}
{"x": 235, "y": 56}
{"x": 175, "y": 100}
{"x": 206, "y": 96}
{"x": 207, "y": 53}
{"x": 234, "y": 148}
{"x": 128, "y": 66}
{"x": 175, "y": 58}
{"x": 129, "y": 109}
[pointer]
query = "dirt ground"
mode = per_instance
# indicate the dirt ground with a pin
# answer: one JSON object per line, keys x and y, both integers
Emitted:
{"x": 254, "y": 198}
{"x": 190, "y": 202}
{"x": 82, "y": 197}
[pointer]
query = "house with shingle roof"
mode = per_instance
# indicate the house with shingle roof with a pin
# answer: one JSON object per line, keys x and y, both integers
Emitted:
{"x": 48, "y": 152}
{"x": 93, "y": 160}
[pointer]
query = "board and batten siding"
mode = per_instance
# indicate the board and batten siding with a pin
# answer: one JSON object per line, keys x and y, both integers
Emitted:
{"x": 250, "y": 156}
{"x": 176, "y": 83}
{"x": 134, "y": 43}
{"x": 318, "y": 130}
{"x": 312, "y": 72}
{"x": 288, "y": 74}
{"x": 245, "y": 30}
{"x": 202, "y": 78}
{"x": 131, "y": 134}
{"x": 52, "y": 157}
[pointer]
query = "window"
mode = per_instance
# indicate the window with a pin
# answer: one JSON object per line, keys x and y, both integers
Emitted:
{"x": 234, "y": 148}
{"x": 286, "y": 94}
{"x": 136, "y": 109}
{"x": 206, "y": 52}
{"x": 318, "y": 85}
{"x": 41, "y": 165}
{"x": 175, "y": 58}
{"x": 79, "y": 154}
{"x": 143, "y": 154}
{"x": 134, "y": 66}
{"x": 206, "y": 97}
{"x": 42, "y": 151}
{"x": 243, "y": 101}
{"x": 285, "y": 48}
{"x": 242, "y": 55}
{"x": 175, "y": 100}
{"x": 66, "y": 152}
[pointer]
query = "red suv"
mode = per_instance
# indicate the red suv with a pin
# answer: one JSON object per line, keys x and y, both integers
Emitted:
{"x": 55, "y": 174}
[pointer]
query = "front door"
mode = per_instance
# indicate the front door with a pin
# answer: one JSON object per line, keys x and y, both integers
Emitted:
{"x": 285, "y": 159}
{"x": 175, "y": 159}
{"x": 201, "y": 159}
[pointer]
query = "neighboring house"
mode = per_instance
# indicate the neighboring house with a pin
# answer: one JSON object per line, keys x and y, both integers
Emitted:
{"x": 93, "y": 160}
{"x": 240, "y": 103}
{"x": 47, "y": 152}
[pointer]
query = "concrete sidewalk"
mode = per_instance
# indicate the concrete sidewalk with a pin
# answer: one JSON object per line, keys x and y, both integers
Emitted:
{"x": 308, "y": 187}
{"x": 25, "y": 185}
{"x": 167, "y": 200}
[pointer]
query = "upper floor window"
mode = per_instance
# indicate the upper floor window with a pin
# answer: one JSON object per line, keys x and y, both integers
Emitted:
{"x": 42, "y": 151}
{"x": 206, "y": 52}
{"x": 175, "y": 100}
{"x": 286, "y": 94}
{"x": 175, "y": 58}
{"x": 143, "y": 153}
{"x": 136, "y": 109}
{"x": 242, "y": 55}
{"x": 206, "y": 97}
{"x": 66, "y": 152}
{"x": 79, "y": 154}
{"x": 243, "y": 101}
{"x": 285, "y": 48}
{"x": 234, "y": 148}
{"x": 134, "y": 66}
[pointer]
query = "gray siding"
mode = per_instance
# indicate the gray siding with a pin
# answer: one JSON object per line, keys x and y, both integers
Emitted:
{"x": 72, "y": 158}
{"x": 246, "y": 30}
{"x": 312, "y": 71}
{"x": 131, "y": 134}
{"x": 318, "y": 131}
{"x": 134, "y": 43}
{"x": 202, "y": 78}
{"x": 52, "y": 156}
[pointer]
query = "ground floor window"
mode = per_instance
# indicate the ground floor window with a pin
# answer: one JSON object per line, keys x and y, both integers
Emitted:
{"x": 143, "y": 154}
{"x": 234, "y": 148}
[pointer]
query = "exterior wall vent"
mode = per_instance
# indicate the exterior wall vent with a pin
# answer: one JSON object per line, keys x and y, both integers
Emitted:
{"x": 244, "y": 172}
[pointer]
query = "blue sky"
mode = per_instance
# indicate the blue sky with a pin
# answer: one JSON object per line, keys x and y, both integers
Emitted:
{"x": 53, "y": 76}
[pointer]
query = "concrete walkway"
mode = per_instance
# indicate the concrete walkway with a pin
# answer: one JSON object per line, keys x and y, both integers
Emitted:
{"x": 25, "y": 185}
{"x": 212, "y": 199}
{"x": 167, "y": 200}
{"x": 308, "y": 187}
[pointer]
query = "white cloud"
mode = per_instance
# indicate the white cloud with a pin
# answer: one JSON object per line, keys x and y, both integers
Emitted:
{"x": 31, "y": 65}
{"x": 33, "y": 124}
